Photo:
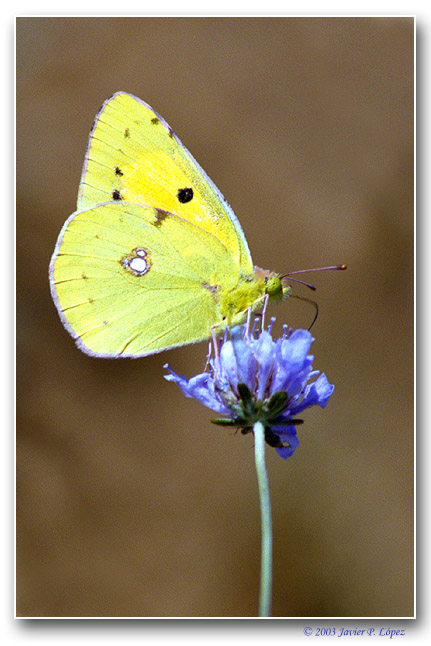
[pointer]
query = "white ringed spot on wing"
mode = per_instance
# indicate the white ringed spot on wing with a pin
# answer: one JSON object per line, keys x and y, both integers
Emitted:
{"x": 137, "y": 262}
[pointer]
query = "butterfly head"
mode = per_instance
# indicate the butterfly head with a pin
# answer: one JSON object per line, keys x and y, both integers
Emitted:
{"x": 275, "y": 288}
{"x": 273, "y": 284}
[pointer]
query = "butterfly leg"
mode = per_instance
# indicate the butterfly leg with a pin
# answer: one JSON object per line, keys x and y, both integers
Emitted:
{"x": 265, "y": 305}
{"x": 216, "y": 349}
{"x": 249, "y": 312}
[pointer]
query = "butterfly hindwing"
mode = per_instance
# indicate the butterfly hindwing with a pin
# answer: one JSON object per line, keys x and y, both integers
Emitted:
{"x": 131, "y": 280}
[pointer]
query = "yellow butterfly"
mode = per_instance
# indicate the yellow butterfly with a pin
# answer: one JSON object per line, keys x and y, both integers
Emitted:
{"x": 154, "y": 256}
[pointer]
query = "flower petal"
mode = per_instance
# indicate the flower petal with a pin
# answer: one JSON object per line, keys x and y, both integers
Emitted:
{"x": 264, "y": 353}
{"x": 292, "y": 360}
{"x": 289, "y": 437}
{"x": 228, "y": 364}
{"x": 197, "y": 387}
{"x": 295, "y": 349}
{"x": 245, "y": 360}
{"x": 317, "y": 392}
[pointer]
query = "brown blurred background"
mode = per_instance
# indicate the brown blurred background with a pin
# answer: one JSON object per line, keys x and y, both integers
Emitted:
{"x": 129, "y": 501}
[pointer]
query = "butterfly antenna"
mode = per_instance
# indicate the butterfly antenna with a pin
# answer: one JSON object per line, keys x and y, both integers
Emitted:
{"x": 313, "y": 303}
{"x": 306, "y": 271}
{"x": 299, "y": 281}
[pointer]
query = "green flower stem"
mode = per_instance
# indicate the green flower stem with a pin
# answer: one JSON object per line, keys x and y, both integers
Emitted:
{"x": 266, "y": 522}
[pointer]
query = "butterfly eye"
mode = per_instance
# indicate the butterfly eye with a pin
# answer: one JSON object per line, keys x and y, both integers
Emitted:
{"x": 273, "y": 286}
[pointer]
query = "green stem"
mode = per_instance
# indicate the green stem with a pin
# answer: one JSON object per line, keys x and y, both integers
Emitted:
{"x": 266, "y": 522}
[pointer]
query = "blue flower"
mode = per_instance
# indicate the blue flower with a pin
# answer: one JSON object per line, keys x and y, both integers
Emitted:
{"x": 255, "y": 377}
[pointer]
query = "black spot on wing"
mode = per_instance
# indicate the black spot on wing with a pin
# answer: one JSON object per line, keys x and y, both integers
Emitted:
{"x": 126, "y": 133}
{"x": 155, "y": 121}
{"x": 116, "y": 195}
{"x": 213, "y": 289}
{"x": 185, "y": 195}
{"x": 160, "y": 216}
{"x": 118, "y": 172}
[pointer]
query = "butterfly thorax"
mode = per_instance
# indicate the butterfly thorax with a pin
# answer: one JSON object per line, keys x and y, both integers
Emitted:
{"x": 249, "y": 293}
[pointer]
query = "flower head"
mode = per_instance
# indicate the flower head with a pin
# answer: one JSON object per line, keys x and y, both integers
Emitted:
{"x": 255, "y": 377}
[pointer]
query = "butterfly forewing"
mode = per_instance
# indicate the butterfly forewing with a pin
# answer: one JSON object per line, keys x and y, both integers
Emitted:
{"x": 133, "y": 156}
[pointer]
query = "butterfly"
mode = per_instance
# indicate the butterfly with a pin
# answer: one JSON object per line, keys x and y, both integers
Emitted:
{"x": 154, "y": 257}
